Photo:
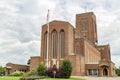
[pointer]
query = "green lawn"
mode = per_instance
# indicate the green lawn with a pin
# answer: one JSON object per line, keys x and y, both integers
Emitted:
{"x": 17, "y": 78}
{"x": 62, "y": 79}
{"x": 9, "y": 78}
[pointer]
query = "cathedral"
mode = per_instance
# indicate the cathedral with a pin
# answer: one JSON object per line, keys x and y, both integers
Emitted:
{"x": 79, "y": 44}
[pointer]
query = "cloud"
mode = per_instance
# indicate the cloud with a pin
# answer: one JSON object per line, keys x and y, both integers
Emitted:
{"x": 21, "y": 21}
{"x": 20, "y": 33}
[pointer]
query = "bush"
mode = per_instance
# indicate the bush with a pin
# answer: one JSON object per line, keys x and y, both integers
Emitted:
{"x": 17, "y": 73}
{"x": 2, "y": 71}
{"x": 31, "y": 73}
{"x": 117, "y": 71}
{"x": 32, "y": 78}
{"x": 66, "y": 68}
{"x": 59, "y": 72}
{"x": 49, "y": 73}
{"x": 63, "y": 72}
{"x": 41, "y": 69}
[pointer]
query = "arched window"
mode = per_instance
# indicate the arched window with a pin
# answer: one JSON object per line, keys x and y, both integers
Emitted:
{"x": 45, "y": 45}
{"x": 62, "y": 42}
{"x": 54, "y": 43}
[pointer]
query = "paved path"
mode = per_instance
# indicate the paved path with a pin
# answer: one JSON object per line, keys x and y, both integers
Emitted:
{"x": 98, "y": 78}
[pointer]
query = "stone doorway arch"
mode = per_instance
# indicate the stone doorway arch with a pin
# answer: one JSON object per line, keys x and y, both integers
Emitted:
{"x": 105, "y": 72}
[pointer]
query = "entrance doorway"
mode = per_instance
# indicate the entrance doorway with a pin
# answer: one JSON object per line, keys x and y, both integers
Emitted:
{"x": 105, "y": 72}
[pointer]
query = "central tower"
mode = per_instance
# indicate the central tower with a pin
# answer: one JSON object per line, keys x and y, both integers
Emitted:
{"x": 86, "y": 26}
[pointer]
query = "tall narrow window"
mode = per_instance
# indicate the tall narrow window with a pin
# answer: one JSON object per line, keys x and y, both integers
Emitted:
{"x": 45, "y": 45}
{"x": 62, "y": 35}
{"x": 54, "y": 44}
{"x": 84, "y": 25}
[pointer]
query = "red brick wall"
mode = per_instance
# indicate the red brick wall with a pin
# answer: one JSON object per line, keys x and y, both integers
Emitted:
{"x": 91, "y": 32}
{"x": 16, "y": 67}
{"x": 69, "y": 39}
{"x": 92, "y": 55}
{"x": 34, "y": 62}
{"x": 105, "y": 51}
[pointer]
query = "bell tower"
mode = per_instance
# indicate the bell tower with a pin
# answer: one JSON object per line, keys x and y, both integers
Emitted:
{"x": 86, "y": 26}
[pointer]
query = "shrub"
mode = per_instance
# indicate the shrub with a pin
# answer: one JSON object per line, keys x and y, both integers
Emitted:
{"x": 41, "y": 69}
{"x": 2, "y": 71}
{"x": 31, "y": 78}
{"x": 67, "y": 68}
{"x": 49, "y": 72}
{"x": 31, "y": 73}
{"x": 117, "y": 71}
{"x": 63, "y": 72}
{"x": 59, "y": 72}
{"x": 17, "y": 73}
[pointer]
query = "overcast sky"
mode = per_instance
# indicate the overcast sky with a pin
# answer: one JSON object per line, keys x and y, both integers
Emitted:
{"x": 21, "y": 21}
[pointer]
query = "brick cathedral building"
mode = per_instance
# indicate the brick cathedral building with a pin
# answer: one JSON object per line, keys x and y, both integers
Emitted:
{"x": 79, "y": 44}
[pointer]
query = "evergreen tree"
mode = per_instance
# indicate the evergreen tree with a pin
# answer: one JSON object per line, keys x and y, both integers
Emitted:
{"x": 67, "y": 68}
{"x": 41, "y": 69}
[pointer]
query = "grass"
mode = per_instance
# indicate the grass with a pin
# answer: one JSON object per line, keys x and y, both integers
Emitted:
{"x": 9, "y": 78}
{"x": 62, "y": 79}
{"x": 17, "y": 78}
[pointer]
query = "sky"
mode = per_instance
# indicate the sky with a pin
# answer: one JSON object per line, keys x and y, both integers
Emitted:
{"x": 21, "y": 22}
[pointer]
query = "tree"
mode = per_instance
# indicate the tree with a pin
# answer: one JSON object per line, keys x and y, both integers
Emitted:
{"x": 117, "y": 71}
{"x": 41, "y": 69}
{"x": 2, "y": 71}
{"x": 28, "y": 62}
{"x": 67, "y": 68}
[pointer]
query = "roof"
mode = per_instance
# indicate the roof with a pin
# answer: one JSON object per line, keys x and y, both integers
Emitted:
{"x": 85, "y": 13}
{"x": 57, "y": 22}
{"x": 17, "y": 64}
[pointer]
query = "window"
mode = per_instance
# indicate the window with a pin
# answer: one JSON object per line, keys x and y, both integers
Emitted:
{"x": 95, "y": 72}
{"x": 84, "y": 25}
{"x": 62, "y": 42}
{"x": 45, "y": 45}
{"x": 90, "y": 72}
{"x": 54, "y": 43}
